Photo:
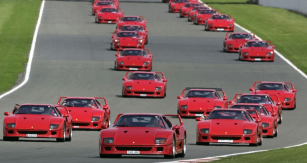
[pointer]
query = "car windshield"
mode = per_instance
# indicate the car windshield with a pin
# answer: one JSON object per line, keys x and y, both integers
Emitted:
{"x": 256, "y": 44}
{"x": 132, "y": 53}
{"x": 241, "y": 36}
{"x": 191, "y": 5}
{"x": 140, "y": 121}
{"x": 104, "y": 3}
{"x": 131, "y": 28}
{"x": 127, "y": 34}
{"x": 85, "y": 103}
{"x": 219, "y": 17}
{"x": 271, "y": 86}
{"x": 133, "y": 19}
{"x": 260, "y": 109}
{"x": 181, "y": 1}
{"x": 142, "y": 76}
{"x": 229, "y": 114}
{"x": 36, "y": 109}
{"x": 261, "y": 99}
{"x": 207, "y": 12}
{"x": 201, "y": 94}
{"x": 108, "y": 10}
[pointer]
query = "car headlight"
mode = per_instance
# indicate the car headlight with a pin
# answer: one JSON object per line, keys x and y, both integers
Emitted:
{"x": 10, "y": 125}
{"x": 199, "y": 18}
{"x": 174, "y": 7}
{"x": 107, "y": 140}
{"x": 247, "y": 131}
{"x": 217, "y": 107}
{"x": 160, "y": 140}
{"x": 116, "y": 40}
{"x": 100, "y": 17}
{"x": 270, "y": 53}
{"x": 129, "y": 87}
{"x": 230, "y": 45}
{"x": 185, "y": 12}
{"x": 121, "y": 62}
{"x": 204, "y": 130}
{"x": 211, "y": 24}
{"x": 230, "y": 25}
{"x": 140, "y": 40}
{"x": 184, "y": 106}
{"x": 265, "y": 125}
{"x": 54, "y": 126}
{"x": 146, "y": 63}
{"x": 246, "y": 53}
{"x": 95, "y": 118}
{"x": 158, "y": 88}
{"x": 287, "y": 99}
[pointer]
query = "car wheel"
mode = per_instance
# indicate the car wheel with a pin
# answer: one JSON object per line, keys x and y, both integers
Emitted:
{"x": 109, "y": 123}
{"x": 111, "y": 47}
{"x": 115, "y": 66}
{"x": 280, "y": 120}
{"x": 62, "y": 139}
{"x": 260, "y": 142}
{"x": 240, "y": 59}
{"x": 276, "y": 133}
{"x": 294, "y": 105}
{"x": 146, "y": 41}
{"x": 254, "y": 144}
{"x": 206, "y": 29}
{"x": 202, "y": 143}
{"x": 184, "y": 148}
{"x": 96, "y": 19}
{"x": 173, "y": 151}
{"x": 164, "y": 94}
{"x": 123, "y": 94}
{"x": 70, "y": 135}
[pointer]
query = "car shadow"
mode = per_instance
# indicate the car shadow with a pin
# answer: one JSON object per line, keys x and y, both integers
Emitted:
{"x": 131, "y": 157}
{"x": 31, "y": 140}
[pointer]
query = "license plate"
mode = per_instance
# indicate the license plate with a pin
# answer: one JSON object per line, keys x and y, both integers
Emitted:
{"x": 31, "y": 135}
{"x": 133, "y": 152}
{"x": 198, "y": 115}
{"x": 143, "y": 95}
{"x": 257, "y": 59}
{"x": 109, "y": 21}
{"x": 75, "y": 126}
{"x": 225, "y": 141}
{"x": 220, "y": 29}
{"x": 133, "y": 68}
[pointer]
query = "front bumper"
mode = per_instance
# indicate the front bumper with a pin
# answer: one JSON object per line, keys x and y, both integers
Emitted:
{"x": 257, "y": 58}
{"x": 88, "y": 125}
{"x": 32, "y": 133}
{"x": 191, "y": 113}
{"x": 269, "y": 131}
{"x": 125, "y": 46}
{"x": 213, "y": 28}
{"x": 227, "y": 139}
{"x": 107, "y": 21}
{"x": 134, "y": 67}
{"x": 144, "y": 93}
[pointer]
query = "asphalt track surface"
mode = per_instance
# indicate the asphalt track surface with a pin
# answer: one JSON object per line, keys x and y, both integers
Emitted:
{"x": 72, "y": 58}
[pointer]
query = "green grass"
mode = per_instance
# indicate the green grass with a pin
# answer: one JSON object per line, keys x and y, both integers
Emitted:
{"x": 290, "y": 155}
{"x": 226, "y": 1}
{"x": 286, "y": 30}
{"x": 17, "y": 24}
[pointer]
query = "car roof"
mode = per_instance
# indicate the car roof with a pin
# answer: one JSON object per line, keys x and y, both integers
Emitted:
{"x": 133, "y": 49}
{"x": 126, "y": 31}
{"x": 227, "y": 109}
{"x": 131, "y": 16}
{"x": 143, "y": 114}
{"x": 254, "y": 94}
{"x": 254, "y": 104}
{"x": 91, "y": 98}
{"x": 37, "y": 104}
{"x": 142, "y": 72}
{"x": 202, "y": 90}
{"x": 240, "y": 33}
{"x": 272, "y": 82}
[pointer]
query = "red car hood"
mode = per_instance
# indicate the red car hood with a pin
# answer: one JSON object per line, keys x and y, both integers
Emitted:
{"x": 144, "y": 85}
{"x": 132, "y": 60}
{"x": 280, "y": 94}
{"x": 204, "y": 16}
{"x": 221, "y": 23}
{"x": 226, "y": 127}
{"x": 108, "y": 14}
{"x": 128, "y": 40}
{"x": 256, "y": 51}
{"x": 138, "y": 135}
{"x": 30, "y": 121}
{"x": 236, "y": 42}
{"x": 200, "y": 103}
{"x": 80, "y": 113}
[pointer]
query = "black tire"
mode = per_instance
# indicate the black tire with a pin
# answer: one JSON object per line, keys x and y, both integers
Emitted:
{"x": 146, "y": 41}
{"x": 173, "y": 151}
{"x": 62, "y": 139}
{"x": 115, "y": 66}
{"x": 164, "y": 94}
{"x": 280, "y": 120}
{"x": 294, "y": 105}
{"x": 184, "y": 148}
{"x": 240, "y": 58}
{"x": 206, "y": 29}
{"x": 123, "y": 93}
{"x": 260, "y": 143}
{"x": 276, "y": 133}
{"x": 202, "y": 143}
{"x": 70, "y": 135}
{"x": 111, "y": 46}
{"x": 253, "y": 145}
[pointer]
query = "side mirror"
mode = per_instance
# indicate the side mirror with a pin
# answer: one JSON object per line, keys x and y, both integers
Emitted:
{"x": 225, "y": 98}
{"x": 176, "y": 127}
{"x": 105, "y": 107}
{"x": 294, "y": 90}
{"x": 226, "y": 38}
{"x": 6, "y": 113}
{"x": 164, "y": 80}
{"x": 178, "y": 97}
{"x": 65, "y": 115}
{"x": 273, "y": 47}
{"x": 124, "y": 79}
{"x": 278, "y": 103}
{"x": 273, "y": 114}
{"x": 252, "y": 89}
{"x": 230, "y": 102}
{"x": 116, "y": 55}
{"x": 198, "y": 119}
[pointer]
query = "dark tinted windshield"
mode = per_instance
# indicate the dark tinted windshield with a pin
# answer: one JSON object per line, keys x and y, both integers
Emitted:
{"x": 191, "y": 5}
{"x": 89, "y": 103}
{"x": 231, "y": 114}
{"x": 271, "y": 86}
{"x": 36, "y": 109}
{"x": 132, "y": 53}
{"x": 132, "y": 28}
{"x": 254, "y": 99}
{"x": 104, "y": 3}
{"x": 219, "y": 17}
{"x": 181, "y": 1}
{"x": 140, "y": 121}
{"x": 130, "y": 19}
{"x": 127, "y": 34}
{"x": 108, "y": 10}
{"x": 207, "y": 12}
{"x": 259, "y": 109}
{"x": 202, "y": 94}
{"x": 241, "y": 36}
{"x": 256, "y": 44}
{"x": 142, "y": 76}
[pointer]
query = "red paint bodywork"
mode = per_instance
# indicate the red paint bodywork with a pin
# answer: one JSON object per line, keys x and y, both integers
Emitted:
{"x": 175, "y": 5}
{"x": 143, "y": 32}
{"x": 37, "y": 124}
{"x": 228, "y": 130}
{"x": 140, "y": 20}
{"x": 109, "y": 17}
{"x": 100, "y": 5}
{"x": 120, "y": 43}
{"x": 145, "y": 88}
{"x": 197, "y": 106}
{"x": 200, "y": 18}
{"x": 134, "y": 62}
{"x": 192, "y": 12}
{"x": 139, "y": 138}
{"x": 220, "y": 24}
{"x": 233, "y": 45}
{"x": 82, "y": 116}
{"x": 287, "y": 91}
{"x": 187, "y": 8}
{"x": 257, "y": 53}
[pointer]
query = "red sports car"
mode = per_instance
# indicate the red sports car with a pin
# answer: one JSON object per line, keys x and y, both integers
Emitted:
{"x": 37, "y": 121}
{"x": 87, "y": 112}
{"x": 255, "y": 50}
{"x": 132, "y": 20}
{"x": 229, "y": 126}
{"x": 284, "y": 90}
{"x": 126, "y": 39}
{"x": 269, "y": 122}
{"x": 175, "y": 5}
{"x": 144, "y": 84}
{"x": 144, "y": 134}
{"x": 133, "y": 59}
{"x": 137, "y": 28}
{"x": 109, "y": 15}
{"x": 192, "y": 12}
{"x": 271, "y": 102}
{"x": 100, "y": 5}
{"x": 197, "y": 100}
{"x": 186, "y": 8}
{"x": 220, "y": 22}
{"x": 201, "y": 16}
{"x": 233, "y": 40}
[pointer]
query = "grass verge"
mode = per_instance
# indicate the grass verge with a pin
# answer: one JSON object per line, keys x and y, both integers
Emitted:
{"x": 226, "y": 1}
{"x": 286, "y": 29}
{"x": 17, "y": 24}
{"x": 293, "y": 155}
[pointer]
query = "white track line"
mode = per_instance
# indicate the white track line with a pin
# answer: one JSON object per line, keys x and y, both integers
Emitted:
{"x": 235, "y": 154}
{"x": 28, "y": 70}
